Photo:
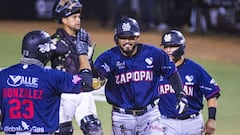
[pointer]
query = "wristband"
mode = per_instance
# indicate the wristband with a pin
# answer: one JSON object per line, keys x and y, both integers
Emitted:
{"x": 212, "y": 113}
{"x": 85, "y": 70}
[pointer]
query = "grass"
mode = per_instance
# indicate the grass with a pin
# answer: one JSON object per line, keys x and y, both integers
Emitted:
{"x": 227, "y": 76}
{"x": 104, "y": 114}
{"x": 228, "y": 115}
{"x": 10, "y": 47}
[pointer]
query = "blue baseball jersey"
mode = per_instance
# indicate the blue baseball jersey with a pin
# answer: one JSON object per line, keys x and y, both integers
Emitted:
{"x": 132, "y": 81}
{"x": 30, "y": 97}
{"x": 197, "y": 84}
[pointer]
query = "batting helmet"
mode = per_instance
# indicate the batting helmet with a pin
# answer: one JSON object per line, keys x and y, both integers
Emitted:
{"x": 37, "y": 44}
{"x": 126, "y": 27}
{"x": 174, "y": 38}
{"x": 65, "y": 8}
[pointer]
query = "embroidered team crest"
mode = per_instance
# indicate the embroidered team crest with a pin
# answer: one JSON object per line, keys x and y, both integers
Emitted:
{"x": 126, "y": 26}
{"x": 189, "y": 79}
{"x": 149, "y": 60}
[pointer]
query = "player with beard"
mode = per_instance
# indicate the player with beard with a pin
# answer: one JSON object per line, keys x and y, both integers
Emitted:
{"x": 132, "y": 70}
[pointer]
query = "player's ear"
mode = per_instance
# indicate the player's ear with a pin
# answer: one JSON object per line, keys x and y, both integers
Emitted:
{"x": 64, "y": 20}
{"x": 138, "y": 38}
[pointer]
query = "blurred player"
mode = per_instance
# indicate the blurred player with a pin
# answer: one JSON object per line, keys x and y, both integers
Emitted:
{"x": 68, "y": 14}
{"x": 30, "y": 94}
{"x": 197, "y": 84}
{"x": 132, "y": 70}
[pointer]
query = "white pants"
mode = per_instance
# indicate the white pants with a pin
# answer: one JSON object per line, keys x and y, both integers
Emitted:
{"x": 78, "y": 105}
{"x": 191, "y": 126}
{"x": 146, "y": 124}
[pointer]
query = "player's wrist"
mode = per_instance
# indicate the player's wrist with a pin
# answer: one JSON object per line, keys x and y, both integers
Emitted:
{"x": 212, "y": 113}
{"x": 86, "y": 75}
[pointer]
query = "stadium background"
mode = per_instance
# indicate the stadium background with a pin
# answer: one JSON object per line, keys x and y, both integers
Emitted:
{"x": 217, "y": 52}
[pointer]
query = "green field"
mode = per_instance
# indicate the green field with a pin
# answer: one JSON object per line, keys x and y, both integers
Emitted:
{"x": 227, "y": 75}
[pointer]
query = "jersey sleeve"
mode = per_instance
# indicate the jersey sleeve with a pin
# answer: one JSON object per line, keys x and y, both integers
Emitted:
{"x": 103, "y": 65}
{"x": 64, "y": 82}
{"x": 208, "y": 85}
{"x": 167, "y": 66}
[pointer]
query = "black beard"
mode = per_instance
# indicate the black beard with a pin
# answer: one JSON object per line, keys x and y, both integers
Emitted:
{"x": 129, "y": 53}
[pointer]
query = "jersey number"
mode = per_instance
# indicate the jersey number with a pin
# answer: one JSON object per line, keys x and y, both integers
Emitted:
{"x": 21, "y": 109}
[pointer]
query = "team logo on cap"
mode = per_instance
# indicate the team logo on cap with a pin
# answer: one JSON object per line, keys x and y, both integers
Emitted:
{"x": 46, "y": 47}
{"x": 126, "y": 27}
{"x": 167, "y": 38}
{"x": 43, "y": 48}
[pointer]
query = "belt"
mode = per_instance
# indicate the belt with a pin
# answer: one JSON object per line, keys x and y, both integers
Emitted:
{"x": 134, "y": 112}
{"x": 185, "y": 117}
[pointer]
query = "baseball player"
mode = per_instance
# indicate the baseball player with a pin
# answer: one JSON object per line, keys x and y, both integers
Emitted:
{"x": 30, "y": 94}
{"x": 68, "y": 13}
{"x": 132, "y": 70}
{"x": 197, "y": 84}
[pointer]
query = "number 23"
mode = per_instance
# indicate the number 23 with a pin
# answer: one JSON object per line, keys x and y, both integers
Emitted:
{"x": 21, "y": 109}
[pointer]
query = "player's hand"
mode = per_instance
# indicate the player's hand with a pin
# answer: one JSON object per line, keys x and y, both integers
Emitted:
{"x": 182, "y": 104}
{"x": 83, "y": 41}
{"x": 210, "y": 126}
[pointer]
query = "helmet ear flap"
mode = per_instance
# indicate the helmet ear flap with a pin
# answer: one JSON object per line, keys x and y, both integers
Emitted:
{"x": 179, "y": 52}
{"x": 116, "y": 39}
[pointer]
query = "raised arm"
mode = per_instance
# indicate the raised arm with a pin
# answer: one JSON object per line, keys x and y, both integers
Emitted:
{"x": 85, "y": 68}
